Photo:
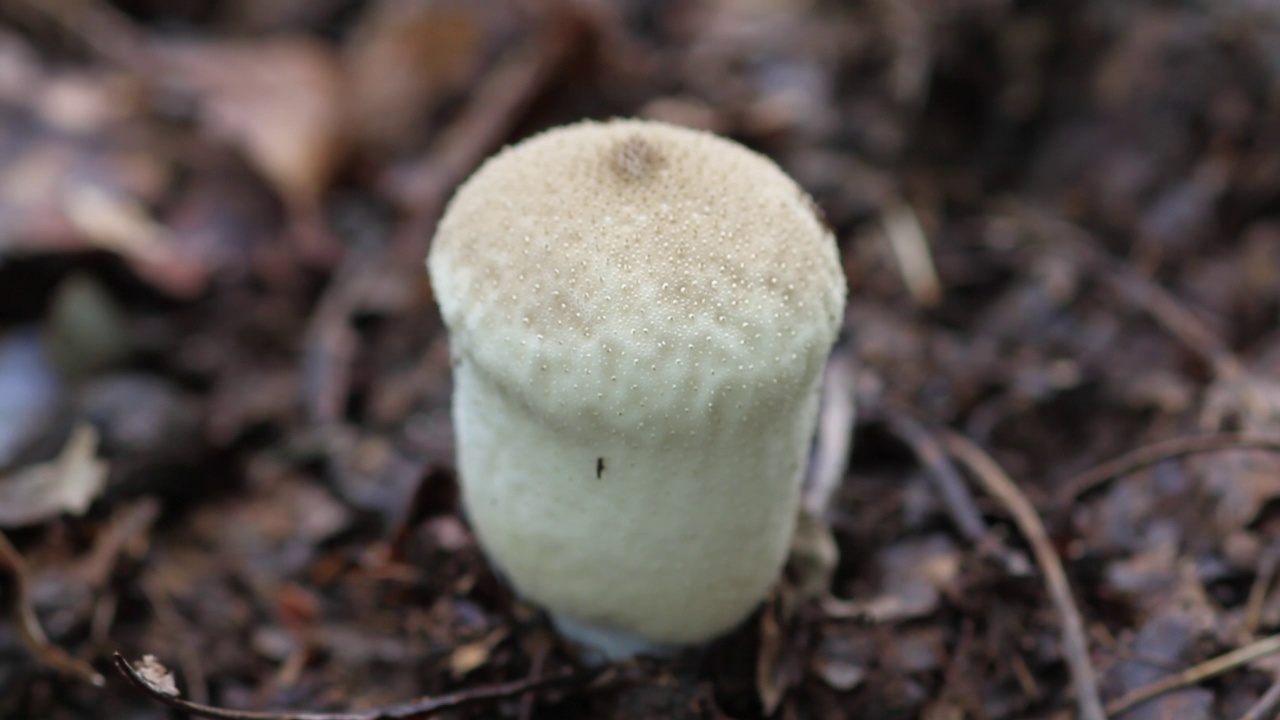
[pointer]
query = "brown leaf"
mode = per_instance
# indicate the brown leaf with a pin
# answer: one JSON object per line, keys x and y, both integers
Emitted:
{"x": 119, "y": 223}
{"x": 403, "y": 61}
{"x": 60, "y": 193}
{"x": 279, "y": 101}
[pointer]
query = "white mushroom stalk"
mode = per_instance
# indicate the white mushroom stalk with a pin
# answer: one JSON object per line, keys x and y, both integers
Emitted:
{"x": 639, "y": 316}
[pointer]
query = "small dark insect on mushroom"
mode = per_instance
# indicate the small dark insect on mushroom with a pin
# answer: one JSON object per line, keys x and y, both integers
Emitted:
{"x": 599, "y": 467}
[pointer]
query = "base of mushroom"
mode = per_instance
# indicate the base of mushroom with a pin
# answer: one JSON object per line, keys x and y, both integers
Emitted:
{"x": 600, "y": 644}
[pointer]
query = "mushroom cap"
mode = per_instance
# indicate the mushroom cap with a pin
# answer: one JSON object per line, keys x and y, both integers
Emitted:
{"x": 638, "y": 276}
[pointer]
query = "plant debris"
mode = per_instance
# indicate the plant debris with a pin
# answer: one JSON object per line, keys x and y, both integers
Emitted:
{"x": 67, "y": 484}
{"x": 1047, "y": 481}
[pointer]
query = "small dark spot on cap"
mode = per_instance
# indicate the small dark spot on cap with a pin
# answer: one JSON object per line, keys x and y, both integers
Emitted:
{"x": 599, "y": 467}
{"x": 635, "y": 158}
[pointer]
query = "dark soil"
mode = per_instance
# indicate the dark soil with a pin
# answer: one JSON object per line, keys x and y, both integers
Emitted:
{"x": 1060, "y": 222}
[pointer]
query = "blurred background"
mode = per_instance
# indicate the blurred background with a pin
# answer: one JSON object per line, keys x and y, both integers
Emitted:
{"x": 224, "y": 428}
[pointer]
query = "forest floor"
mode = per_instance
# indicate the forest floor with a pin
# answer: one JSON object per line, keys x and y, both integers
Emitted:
{"x": 224, "y": 388}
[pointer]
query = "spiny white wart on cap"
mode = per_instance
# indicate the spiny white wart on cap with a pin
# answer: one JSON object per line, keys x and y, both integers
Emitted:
{"x": 639, "y": 315}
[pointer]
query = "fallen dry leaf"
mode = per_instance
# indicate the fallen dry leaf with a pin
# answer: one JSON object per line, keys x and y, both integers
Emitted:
{"x": 435, "y": 48}
{"x": 157, "y": 675}
{"x": 68, "y": 483}
{"x": 279, "y": 101}
{"x": 119, "y": 223}
{"x": 469, "y": 656}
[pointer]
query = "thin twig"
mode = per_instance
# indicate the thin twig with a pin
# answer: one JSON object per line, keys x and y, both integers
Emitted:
{"x": 910, "y": 247}
{"x": 1235, "y": 389}
{"x": 1165, "y": 308}
{"x": 1158, "y": 452}
{"x": 955, "y": 493}
{"x": 1075, "y": 645}
{"x": 1267, "y": 706}
{"x": 538, "y": 662}
{"x": 420, "y": 708}
{"x": 172, "y": 623}
{"x": 1195, "y": 674}
{"x": 1268, "y": 564}
{"x": 24, "y": 618}
{"x": 127, "y": 526}
{"x": 960, "y": 503}
{"x": 1143, "y": 292}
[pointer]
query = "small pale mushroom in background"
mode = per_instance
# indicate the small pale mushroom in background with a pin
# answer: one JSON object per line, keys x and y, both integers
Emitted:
{"x": 639, "y": 316}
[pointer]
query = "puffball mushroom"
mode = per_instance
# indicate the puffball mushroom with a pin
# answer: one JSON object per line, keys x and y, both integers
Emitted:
{"x": 639, "y": 315}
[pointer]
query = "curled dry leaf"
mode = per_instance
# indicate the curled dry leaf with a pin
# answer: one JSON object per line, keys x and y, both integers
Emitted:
{"x": 69, "y": 483}
{"x": 157, "y": 676}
